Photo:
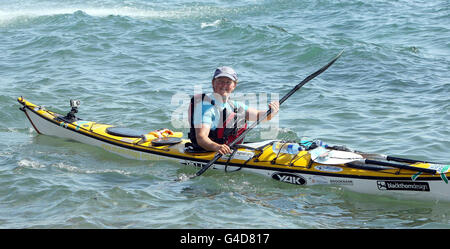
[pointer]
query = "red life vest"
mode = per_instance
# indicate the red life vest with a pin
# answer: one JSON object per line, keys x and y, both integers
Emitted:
{"x": 224, "y": 134}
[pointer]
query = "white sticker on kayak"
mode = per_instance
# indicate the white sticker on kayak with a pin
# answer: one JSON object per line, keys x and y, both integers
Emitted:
{"x": 241, "y": 155}
{"x": 327, "y": 168}
{"x": 318, "y": 180}
{"x": 79, "y": 123}
{"x": 440, "y": 168}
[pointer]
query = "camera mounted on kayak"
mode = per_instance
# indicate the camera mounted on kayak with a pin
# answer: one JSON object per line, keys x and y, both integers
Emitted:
{"x": 70, "y": 116}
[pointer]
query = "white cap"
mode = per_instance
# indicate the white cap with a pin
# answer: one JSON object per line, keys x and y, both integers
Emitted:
{"x": 225, "y": 72}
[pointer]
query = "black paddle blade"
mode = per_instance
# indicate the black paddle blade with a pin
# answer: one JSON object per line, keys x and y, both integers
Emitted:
{"x": 310, "y": 77}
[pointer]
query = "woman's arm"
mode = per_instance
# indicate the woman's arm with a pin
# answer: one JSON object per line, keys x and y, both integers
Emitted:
{"x": 206, "y": 143}
{"x": 253, "y": 114}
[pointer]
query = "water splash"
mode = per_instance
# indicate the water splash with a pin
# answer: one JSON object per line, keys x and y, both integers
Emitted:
{"x": 216, "y": 23}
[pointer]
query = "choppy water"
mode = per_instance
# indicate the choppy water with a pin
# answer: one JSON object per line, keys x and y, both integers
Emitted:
{"x": 126, "y": 60}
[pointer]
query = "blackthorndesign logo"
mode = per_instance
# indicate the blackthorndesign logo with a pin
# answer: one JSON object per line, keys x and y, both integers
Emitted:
{"x": 289, "y": 178}
{"x": 406, "y": 186}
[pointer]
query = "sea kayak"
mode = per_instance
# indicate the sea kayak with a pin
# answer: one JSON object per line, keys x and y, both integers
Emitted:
{"x": 327, "y": 165}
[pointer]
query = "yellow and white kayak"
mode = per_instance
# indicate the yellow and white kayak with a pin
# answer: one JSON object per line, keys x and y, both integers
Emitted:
{"x": 364, "y": 173}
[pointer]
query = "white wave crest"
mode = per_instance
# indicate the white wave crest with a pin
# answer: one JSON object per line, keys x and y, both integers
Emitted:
{"x": 14, "y": 13}
{"x": 74, "y": 169}
{"x": 216, "y": 23}
{"x": 30, "y": 164}
{"x": 6, "y": 15}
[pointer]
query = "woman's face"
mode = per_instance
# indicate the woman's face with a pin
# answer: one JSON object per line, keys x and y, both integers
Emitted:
{"x": 223, "y": 86}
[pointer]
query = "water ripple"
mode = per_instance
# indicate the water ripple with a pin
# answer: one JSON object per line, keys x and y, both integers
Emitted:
{"x": 125, "y": 61}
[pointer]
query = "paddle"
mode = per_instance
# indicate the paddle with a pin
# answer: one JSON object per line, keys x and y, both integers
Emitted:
{"x": 239, "y": 138}
{"x": 324, "y": 156}
{"x": 369, "y": 159}
{"x": 391, "y": 158}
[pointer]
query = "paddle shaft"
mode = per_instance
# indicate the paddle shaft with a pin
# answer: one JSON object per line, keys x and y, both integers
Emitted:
{"x": 399, "y": 166}
{"x": 405, "y": 160}
{"x": 391, "y": 158}
{"x": 240, "y": 137}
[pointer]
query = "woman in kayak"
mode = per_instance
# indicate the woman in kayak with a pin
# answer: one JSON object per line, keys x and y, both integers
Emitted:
{"x": 218, "y": 120}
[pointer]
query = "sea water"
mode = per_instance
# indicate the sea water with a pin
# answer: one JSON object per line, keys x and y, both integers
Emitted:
{"x": 134, "y": 63}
